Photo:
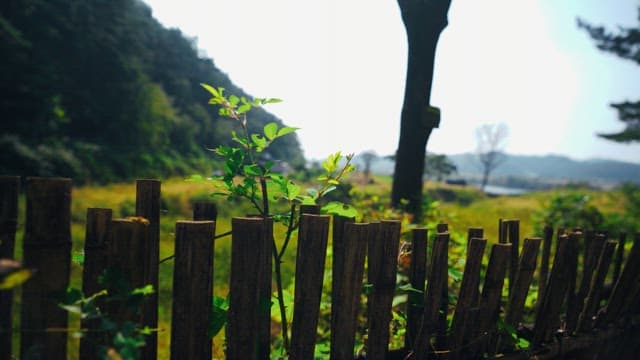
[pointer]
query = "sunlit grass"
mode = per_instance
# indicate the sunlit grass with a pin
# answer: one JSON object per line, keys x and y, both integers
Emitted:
{"x": 460, "y": 207}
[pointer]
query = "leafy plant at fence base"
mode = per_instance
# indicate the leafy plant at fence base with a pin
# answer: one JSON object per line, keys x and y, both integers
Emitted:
{"x": 125, "y": 337}
{"x": 248, "y": 175}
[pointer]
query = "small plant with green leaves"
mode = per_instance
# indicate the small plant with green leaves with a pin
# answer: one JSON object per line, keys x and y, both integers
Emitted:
{"x": 118, "y": 338}
{"x": 248, "y": 175}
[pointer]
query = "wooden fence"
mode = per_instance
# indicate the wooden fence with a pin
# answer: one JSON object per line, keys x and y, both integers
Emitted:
{"x": 577, "y": 314}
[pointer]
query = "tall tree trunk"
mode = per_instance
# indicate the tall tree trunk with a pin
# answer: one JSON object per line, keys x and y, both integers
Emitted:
{"x": 424, "y": 21}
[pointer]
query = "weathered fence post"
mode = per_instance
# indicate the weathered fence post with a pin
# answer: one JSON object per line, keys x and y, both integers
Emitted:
{"x": 592, "y": 299}
{"x": 127, "y": 244}
{"x": 627, "y": 283}
{"x": 347, "y": 282}
{"x": 9, "y": 190}
{"x": 438, "y": 275}
{"x": 148, "y": 206}
{"x": 491, "y": 294}
{"x": 192, "y": 290}
{"x": 544, "y": 263}
{"x": 523, "y": 278}
{"x": 383, "y": 260}
{"x": 312, "y": 251}
{"x": 417, "y": 276}
{"x": 47, "y": 248}
{"x": 95, "y": 261}
{"x": 619, "y": 257}
{"x": 249, "y": 305}
{"x": 467, "y": 295}
{"x": 548, "y": 314}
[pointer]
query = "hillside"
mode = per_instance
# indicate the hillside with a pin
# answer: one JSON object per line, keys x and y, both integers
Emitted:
{"x": 101, "y": 91}
{"x": 538, "y": 171}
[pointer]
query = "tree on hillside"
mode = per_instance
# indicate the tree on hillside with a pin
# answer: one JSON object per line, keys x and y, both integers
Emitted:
{"x": 368, "y": 157}
{"x": 100, "y": 91}
{"x": 625, "y": 44}
{"x": 490, "y": 143}
{"x": 438, "y": 166}
{"x": 424, "y": 20}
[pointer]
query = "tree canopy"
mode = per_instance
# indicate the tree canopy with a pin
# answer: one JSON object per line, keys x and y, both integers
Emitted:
{"x": 625, "y": 43}
{"x": 100, "y": 91}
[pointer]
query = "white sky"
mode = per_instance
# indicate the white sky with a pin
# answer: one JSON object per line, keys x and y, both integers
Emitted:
{"x": 340, "y": 68}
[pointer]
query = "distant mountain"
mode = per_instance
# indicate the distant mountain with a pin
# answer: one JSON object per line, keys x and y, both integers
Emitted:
{"x": 538, "y": 171}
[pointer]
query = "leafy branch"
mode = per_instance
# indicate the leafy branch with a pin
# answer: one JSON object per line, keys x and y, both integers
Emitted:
{"x": 244, "y": 176}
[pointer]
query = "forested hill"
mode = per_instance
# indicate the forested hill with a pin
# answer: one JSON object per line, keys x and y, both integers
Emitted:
{"x": 98, "y": 90}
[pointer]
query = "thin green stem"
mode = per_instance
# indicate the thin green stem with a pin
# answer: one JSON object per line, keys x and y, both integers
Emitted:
{"x": 290, "y": 228}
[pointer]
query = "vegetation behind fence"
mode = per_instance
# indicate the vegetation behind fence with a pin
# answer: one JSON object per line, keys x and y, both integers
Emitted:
{"x": 589, "y": 291}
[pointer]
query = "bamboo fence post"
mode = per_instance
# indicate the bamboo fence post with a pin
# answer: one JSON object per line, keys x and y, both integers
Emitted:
{"x": 127, "y": 241}
{"x": 467, "y": 296}
{"x": 547, "y": 239}
{"x": 9, "y": 190}
{"x": 248, "y": 304}
{"x": 46, "y": 248}
{"x": 343, "y": 246}
{"x": 593, "y": 250}
{"x": 619, "y": 257}
{"x": 95, "y": 261}
{"x": 347, "y": 282}
{"x": 192, "y": 290}
{"x": 205, "y": 210}
{"x": 513, "y": 237}
{"x": 438, "y": 274}
{"x": 519, "y": 291}
{"x": 471, "y": 332}
{"x": 311, "y": 256}
{"x": 383, "y": 262}
{"x": 522, "y": 282}
{"x": 441, "y": 328}
{"x": 491, "y": 294}
{"x": 592, "y": 300}
{"x": 417, "y": 276}
{"x": 629, "y": 277}
{"x": 148, "y": 206}
{"x": 548, "y": 314}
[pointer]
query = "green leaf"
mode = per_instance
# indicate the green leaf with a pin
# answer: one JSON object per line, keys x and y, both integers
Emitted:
{"x": 243, "y": 108}
{"x": 15, "y": 278}
{"x": 271, "y": 101}
{"x": 210, "y": 89}
{"x": 286, "y": 130}
{"x": 234, "y": 100}
{"x": 252, "y": 170}
{"x": 271, "y": 130}
{"x": 409, "y": 288}
{"x": 218, "y": 315}
{"x": 145, "y": 290}
{"x": 259, "y": 141}
{"x": 340, "y": 209}
{"x": 293, "y": 190}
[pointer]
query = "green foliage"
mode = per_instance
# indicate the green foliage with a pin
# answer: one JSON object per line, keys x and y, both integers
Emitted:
{"x": 568, "y": 210}
{"x": 626, "y": 45}
{"x": 246, "y": 175}
{"x": 438, "y": 166}
{"x": 125, "y": 338}
{"x": 100, "y": 91}
{"x": 219, "y": 310}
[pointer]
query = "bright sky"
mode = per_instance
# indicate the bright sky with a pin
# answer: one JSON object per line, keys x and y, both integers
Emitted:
{"x": 340, "y": 68}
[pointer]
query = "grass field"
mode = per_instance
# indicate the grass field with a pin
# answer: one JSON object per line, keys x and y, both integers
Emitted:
{"x": 460, "y": 207}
